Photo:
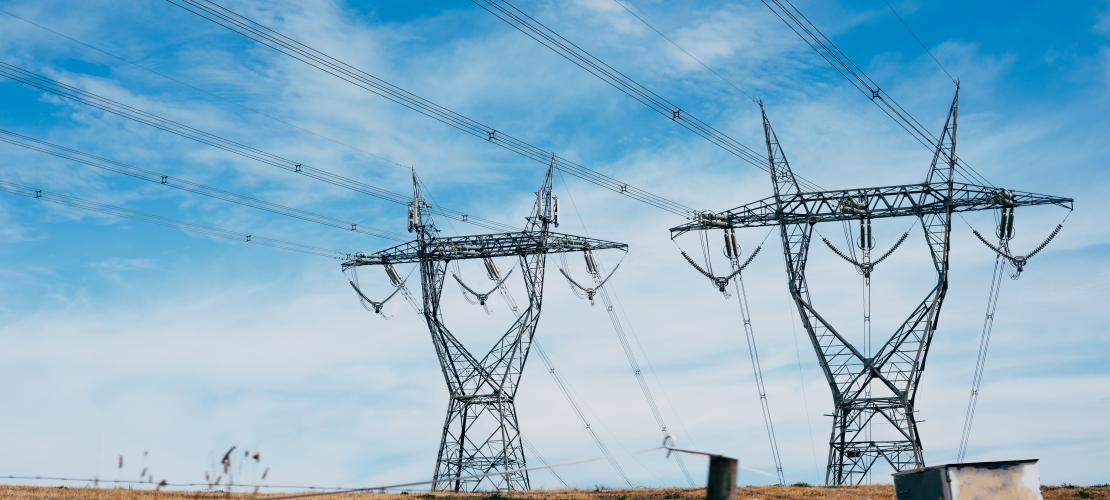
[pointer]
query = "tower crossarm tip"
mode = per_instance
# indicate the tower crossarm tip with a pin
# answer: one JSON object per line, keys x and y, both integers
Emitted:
{"x": 873, "y": 202}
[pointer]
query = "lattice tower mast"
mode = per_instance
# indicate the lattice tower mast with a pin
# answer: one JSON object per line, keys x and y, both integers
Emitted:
{"x": 876, "y": 391}
{"x": 481, "y": 433}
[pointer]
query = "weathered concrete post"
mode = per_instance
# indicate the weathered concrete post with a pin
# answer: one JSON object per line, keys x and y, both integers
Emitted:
{"x": 722, "y": 478}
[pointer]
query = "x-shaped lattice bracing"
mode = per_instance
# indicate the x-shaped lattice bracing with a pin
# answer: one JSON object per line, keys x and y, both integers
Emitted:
{"x": 481, "y": 445}
{"x": 895, "y": 370}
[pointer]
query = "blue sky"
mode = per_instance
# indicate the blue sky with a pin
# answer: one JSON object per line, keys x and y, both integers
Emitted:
{"x": 122, "y": 337}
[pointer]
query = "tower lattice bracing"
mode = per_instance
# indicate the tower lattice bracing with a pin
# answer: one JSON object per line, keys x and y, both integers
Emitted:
{"x": 481, "y": 445}
{"x": 873, "y": 393}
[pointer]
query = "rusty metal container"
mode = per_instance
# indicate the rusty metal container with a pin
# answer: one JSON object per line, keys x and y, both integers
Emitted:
{"x": 1009, "y": 479}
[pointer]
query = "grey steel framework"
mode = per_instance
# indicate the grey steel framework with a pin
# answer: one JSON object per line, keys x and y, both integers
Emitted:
{"x": 481, "y": 434}
{"x": 875, "y": 392}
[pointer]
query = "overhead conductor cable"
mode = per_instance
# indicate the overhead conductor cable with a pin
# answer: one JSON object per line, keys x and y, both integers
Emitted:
{"x": 208, "y": 94}
{"x": 126, "y": 213}
{"x": 564, "y": 388}
{"x": 836, "y": 58}
{"x": 753, "y": 352}
{"x": 595, "y": 271}
{"x": 70, "y": 92}
{"x": 178, "y": 183}
{"x": 531, "y": 27}
{"x": 266, "y": 36}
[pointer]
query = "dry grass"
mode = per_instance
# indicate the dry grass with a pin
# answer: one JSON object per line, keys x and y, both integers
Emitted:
{"x": 874, "y": 492}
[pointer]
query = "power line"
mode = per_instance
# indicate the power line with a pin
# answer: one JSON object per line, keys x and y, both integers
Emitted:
{"x": 757, "y": 368}
{"x": 186, "y": 185}
{"x": 573, "y": 402}
{"x": 536, "y": 30}
{"x": 571, "y": 399}
{"x": 211, "y": 95}
{"x": 564, "y": 388}
{"x": 794, "y": 19}
{"x": 634, "y": 364}
{"x": 682, "y": 49}
{"x": 568, "y": 395}
{"x": 434, "y": 481}
{"x": 981, "y": 357}
{"x": 266, "y": 36}
{"x": 802, "y": 381}
{"x": 919, "y": 42}
{"x": 129, "y": 112}
{"x": 626, "y": 346}
{"x": 543, "y": 461}
{"x": 125, "y": 213}
{"x": 216, "y": 97}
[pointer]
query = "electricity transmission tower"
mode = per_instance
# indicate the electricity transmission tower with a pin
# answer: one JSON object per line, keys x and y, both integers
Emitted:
{"x": 873, "y": 395}
{"x": 481, "y": 445}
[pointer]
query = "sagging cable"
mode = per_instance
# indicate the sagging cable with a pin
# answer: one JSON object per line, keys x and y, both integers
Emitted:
{"x": 568, "y": 394}
{"x": 376, "y": 307}
{"x": 757, "y": 367}
{"x": 981, "y": 357}
{"x": 482, "y": 297}
{"x": 1019, "y": 261}
{"x": 595, "y": 272}
{"x": 866, "y": 268}
{"x": 1003, "y": 255}
{"x": 722, "y": 281}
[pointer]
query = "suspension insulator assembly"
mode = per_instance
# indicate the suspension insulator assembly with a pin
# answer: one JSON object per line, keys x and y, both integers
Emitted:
{"x": 866, "y": 237}
{"x": 591, "y": 264}
{"x": 1005, "y": 229}
{"x": 595, "y": 272}
{"x": 732, "y": 248}
{"x": 394, "y": 276}
{"x": 491, "y": 269}
{"x": 1006, "y": 224}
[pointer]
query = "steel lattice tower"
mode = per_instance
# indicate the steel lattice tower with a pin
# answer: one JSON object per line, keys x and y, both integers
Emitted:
{"x": 481, "y": 433}
{"x": 877, "y": 391}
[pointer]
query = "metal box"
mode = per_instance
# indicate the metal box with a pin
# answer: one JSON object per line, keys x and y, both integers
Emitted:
{"x": 1010, "y": 479}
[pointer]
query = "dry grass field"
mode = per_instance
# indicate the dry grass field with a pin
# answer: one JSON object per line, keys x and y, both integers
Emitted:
{"x": 875, "y": 492}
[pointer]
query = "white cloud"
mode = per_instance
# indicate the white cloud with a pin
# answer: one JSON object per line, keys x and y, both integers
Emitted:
{"x": 289, "y": 364}
{"x": 11, "y": 230}
{"x": 1105, "y": 53}
{"x": 1102, "y": 22}
{"x": 116, "y": 267}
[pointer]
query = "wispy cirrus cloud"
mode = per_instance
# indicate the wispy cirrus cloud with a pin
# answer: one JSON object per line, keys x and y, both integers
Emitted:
{"x": 212, "y": 345}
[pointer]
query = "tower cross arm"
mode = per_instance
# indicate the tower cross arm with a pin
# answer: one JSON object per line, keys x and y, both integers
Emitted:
{"x": 873, "y": 203}
{"x": 482, "y": 246}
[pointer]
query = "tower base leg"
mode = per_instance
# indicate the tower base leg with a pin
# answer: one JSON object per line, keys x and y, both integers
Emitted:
{"x": 481, "y": 448}
{"x": 893, "y": 439}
